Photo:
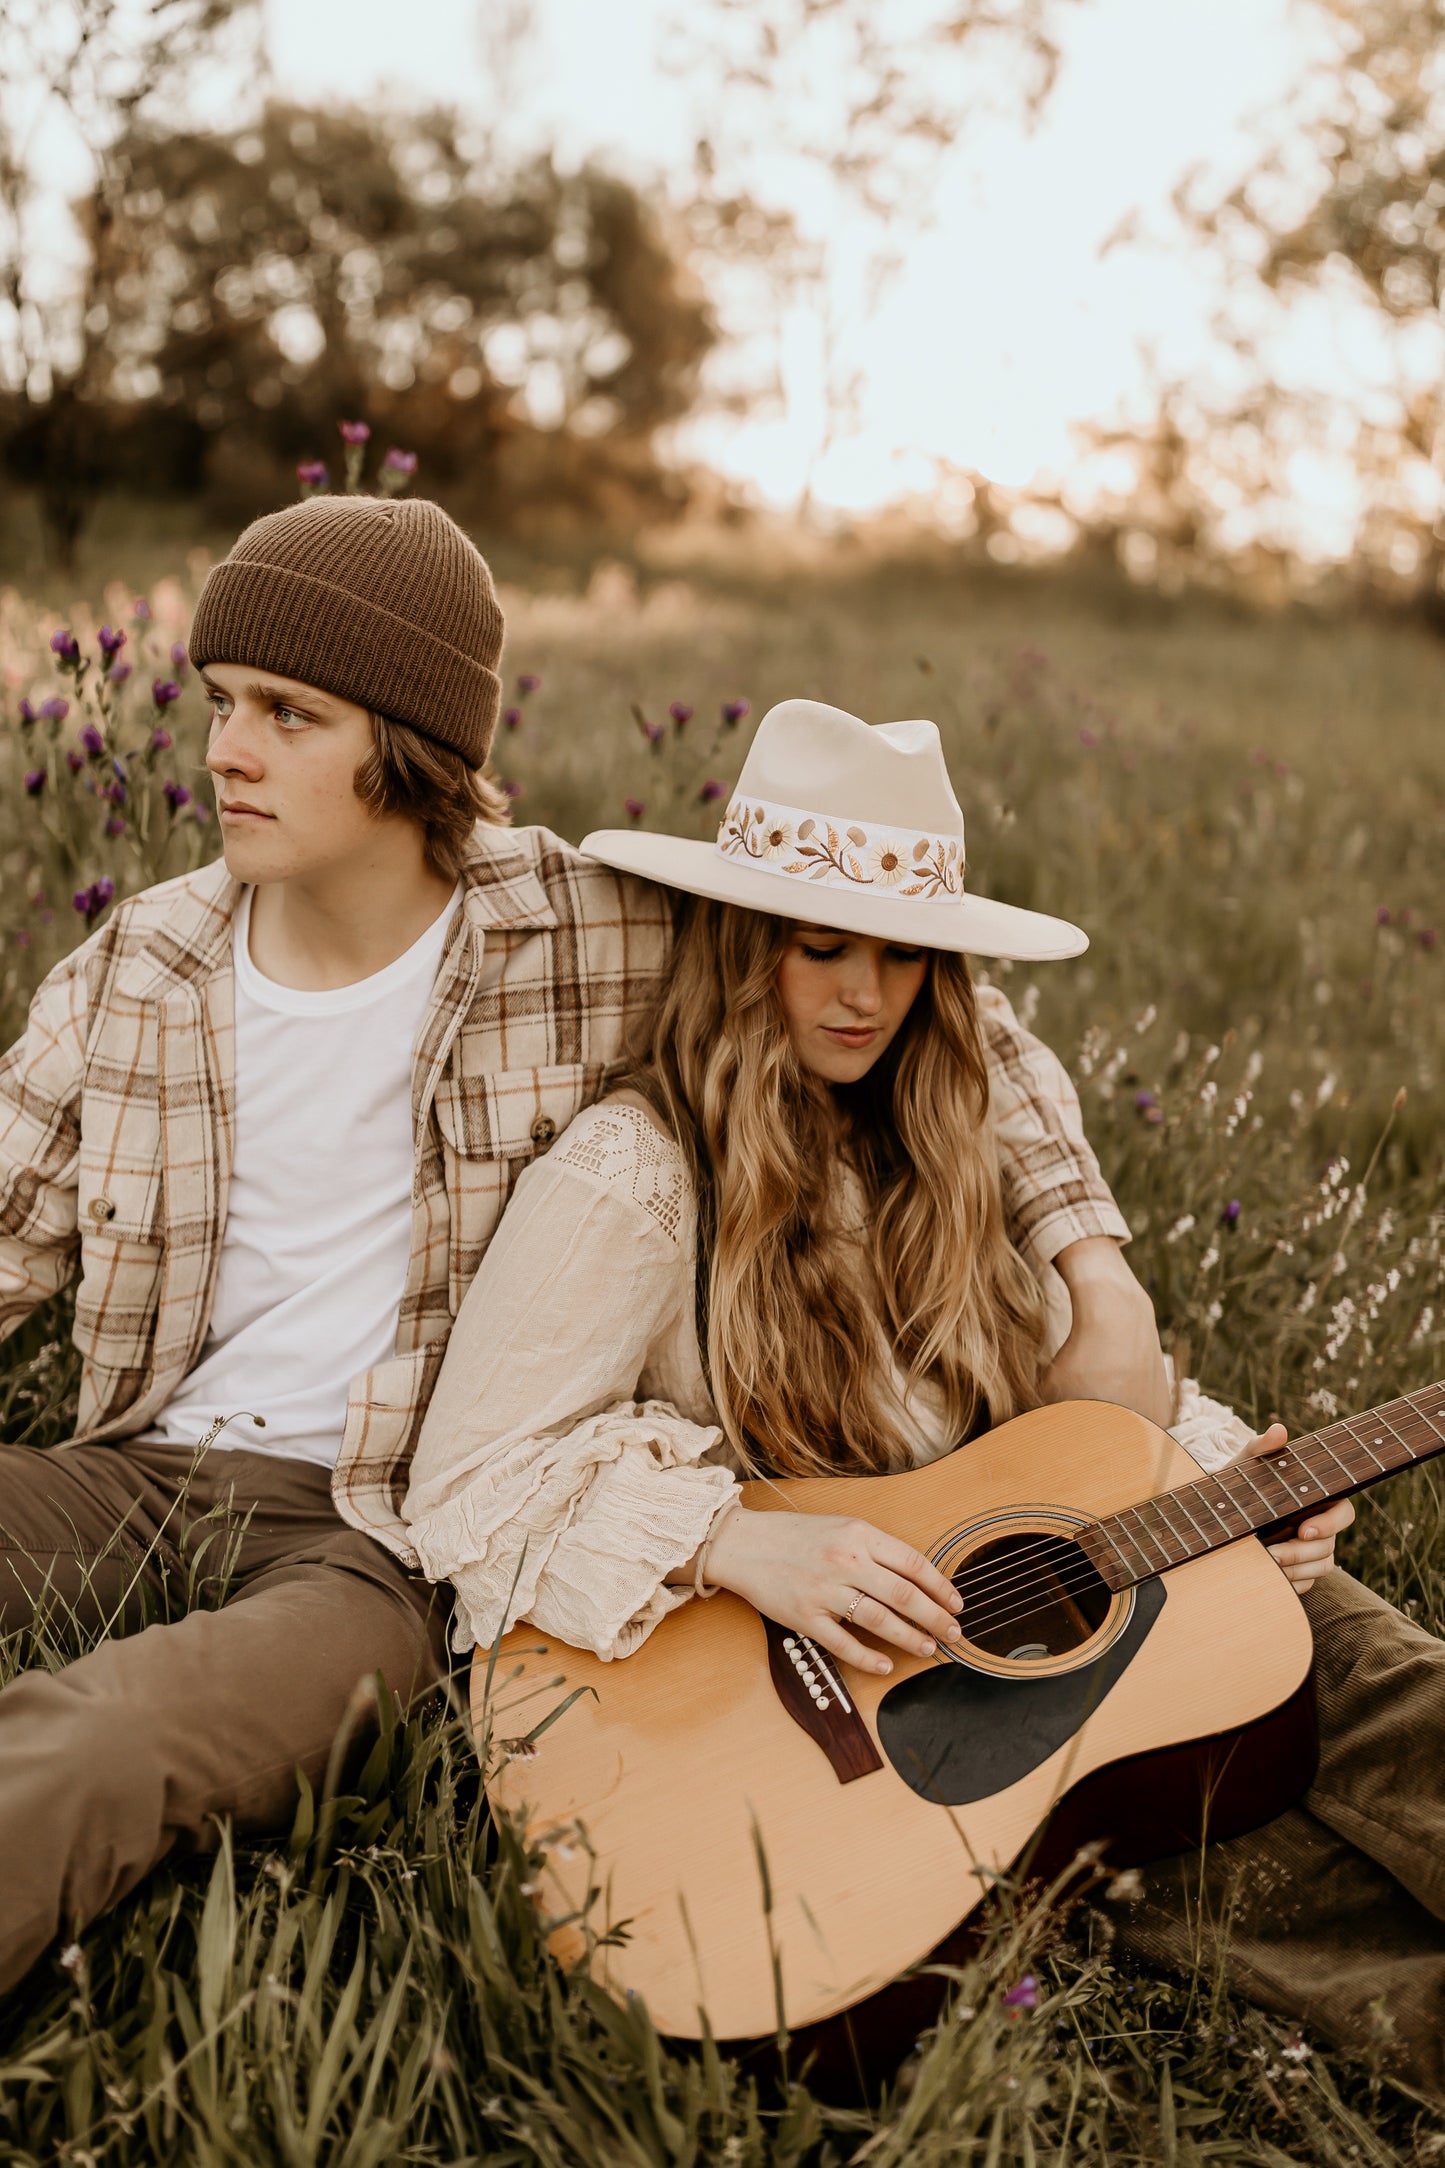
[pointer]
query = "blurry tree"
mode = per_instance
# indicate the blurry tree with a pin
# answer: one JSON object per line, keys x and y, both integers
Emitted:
{"x": 96, "y": 67}
{"x": 524, "y": 330}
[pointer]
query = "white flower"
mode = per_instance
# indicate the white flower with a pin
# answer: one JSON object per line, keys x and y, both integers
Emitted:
{"x": 887, "y": 862}
{"x": 775, "y": 837}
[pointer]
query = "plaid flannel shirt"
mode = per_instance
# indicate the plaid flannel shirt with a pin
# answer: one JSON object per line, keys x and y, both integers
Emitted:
{"x": 117, "y": 1119}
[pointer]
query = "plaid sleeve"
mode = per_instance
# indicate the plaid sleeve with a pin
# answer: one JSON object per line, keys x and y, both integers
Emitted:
{"x": 40, "y": 1083}
{"x": 1053, "y": 1192}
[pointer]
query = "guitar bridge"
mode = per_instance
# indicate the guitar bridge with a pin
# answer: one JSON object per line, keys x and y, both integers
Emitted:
{"x": 809, "y": 1684}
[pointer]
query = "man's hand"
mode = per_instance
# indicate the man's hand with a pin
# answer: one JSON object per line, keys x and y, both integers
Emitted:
{"x": 1312, "y": 1552}
{"x": 1113, "y": 1351}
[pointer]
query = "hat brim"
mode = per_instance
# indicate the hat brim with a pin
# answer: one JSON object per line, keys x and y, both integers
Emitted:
{"x": 973, "y": 925}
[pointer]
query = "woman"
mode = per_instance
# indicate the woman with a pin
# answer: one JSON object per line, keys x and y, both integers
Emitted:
{"x": 781, "y": 1249}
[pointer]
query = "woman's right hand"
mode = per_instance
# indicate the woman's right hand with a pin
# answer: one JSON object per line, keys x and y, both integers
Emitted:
{"x": 806, "y": 1569}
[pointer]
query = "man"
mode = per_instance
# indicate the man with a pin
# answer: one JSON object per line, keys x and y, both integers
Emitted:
{"x": 271, "y": 1114}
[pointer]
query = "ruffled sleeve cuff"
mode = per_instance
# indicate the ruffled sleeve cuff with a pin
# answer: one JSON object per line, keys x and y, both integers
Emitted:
{"x": 1209, "y": 1431}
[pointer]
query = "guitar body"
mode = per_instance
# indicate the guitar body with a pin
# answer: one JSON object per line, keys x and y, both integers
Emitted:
{"x": 684, "y": 1767}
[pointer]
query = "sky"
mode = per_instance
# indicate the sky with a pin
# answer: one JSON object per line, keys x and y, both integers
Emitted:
{"x": 1005, "y": 327}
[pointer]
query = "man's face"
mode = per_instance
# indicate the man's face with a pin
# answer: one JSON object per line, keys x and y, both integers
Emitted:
{"x": 284, "y": 758}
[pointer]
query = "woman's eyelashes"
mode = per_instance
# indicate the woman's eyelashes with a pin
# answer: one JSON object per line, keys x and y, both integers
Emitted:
{"x": 827, "y": 955}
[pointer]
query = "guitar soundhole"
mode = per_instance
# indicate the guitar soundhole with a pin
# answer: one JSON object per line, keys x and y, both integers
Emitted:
{"x": 1028, "y": 1596}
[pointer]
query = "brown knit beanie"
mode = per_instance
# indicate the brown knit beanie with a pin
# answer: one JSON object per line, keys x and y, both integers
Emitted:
{"x": 381, "y": 601}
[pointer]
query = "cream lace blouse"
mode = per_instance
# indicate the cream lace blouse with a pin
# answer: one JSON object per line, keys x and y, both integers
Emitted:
{"x": 571, "y": 1457}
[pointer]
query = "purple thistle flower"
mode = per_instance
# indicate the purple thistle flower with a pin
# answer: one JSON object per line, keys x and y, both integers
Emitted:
{"x": 110, "y": 641}
{"x": 654, "y": 733}
{"x": 34, "y": 782}
{"x": 180, "y": 660}
{"x": 634, "y": 808}
{"x": 161, "y": 740}
{"x": 120, "y": 673}
{"x": 528, "y": 682}
{"x": 65, "y": 647}
{"x": 1023, "y": 1995}
{"x": 74, "y": 761}
{"x": 1145, "y": 1100}
{"x": 200, "y": 813}
{"x": 142, "y": 610}
{"x": 92, "y": 740}
{"x": 680, "y": 712}
{"x": 103, "y": 892}
{"x": 511, "y": 717}
{"x": 1382, "y": 915}
{"x": 115, "y": 826}
{"x": 1426, "y": 937}
{"x": 397, "y": 461}
{"x": 27, "y": 713}
{"x": 355, "y": 432}
{"x": 733, "y": 711}
{"x": 1230, "y": 1214}
{"x": 90, "y": 902}
{"x": 175, "y": 794}
{"x": 55, "y": 710}
{"x": 313, "y": 474}
{"x": 23, "y": 937}
{"x": 710, "y": 791}
{"x": 164, "y": 691}
{"x": 1088, "y": 739}
{"x": 511, "y": 789}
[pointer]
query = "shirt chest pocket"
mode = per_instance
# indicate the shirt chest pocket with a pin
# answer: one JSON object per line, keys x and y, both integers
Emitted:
{"x": 491, "y": 1128}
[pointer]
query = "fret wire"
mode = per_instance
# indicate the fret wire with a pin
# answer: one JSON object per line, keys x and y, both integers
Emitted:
{"x": 1103, "y": 1528}
{"x": 1270, "y": 1510}
{"x": 1137, "y": 1513}
{"x": 1320, "y": 1439}
{"x": 1160, "y": 1504}
{"x": 1346, "y": 1424}
{"x": 1180, "y": 1498}
{"x": 1206, "y": 1500}
{"x": 1129, "y": 1566}
{"x": 1428, "y": 1420}
{"x": 1302, "y": 1466}
{"x": 1404, "y": 1444}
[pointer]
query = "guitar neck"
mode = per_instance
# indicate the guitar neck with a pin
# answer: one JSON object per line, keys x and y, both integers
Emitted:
{"x": 1260, "y": 1491}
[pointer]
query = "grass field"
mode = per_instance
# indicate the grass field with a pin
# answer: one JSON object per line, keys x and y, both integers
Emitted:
{"x": 1245, "y": 813}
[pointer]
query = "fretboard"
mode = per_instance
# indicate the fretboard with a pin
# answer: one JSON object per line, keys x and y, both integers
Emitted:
{"x": 1260, "y": 1490}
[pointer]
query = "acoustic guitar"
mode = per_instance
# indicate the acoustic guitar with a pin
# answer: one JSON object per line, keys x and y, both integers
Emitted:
{"x": 781, "y": 1835}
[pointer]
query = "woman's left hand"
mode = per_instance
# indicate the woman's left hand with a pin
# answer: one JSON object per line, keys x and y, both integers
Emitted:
{"x": 1312, "y": 1552}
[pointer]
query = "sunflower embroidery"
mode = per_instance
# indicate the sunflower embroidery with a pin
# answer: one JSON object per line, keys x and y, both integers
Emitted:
{"x": 888, "y": 863}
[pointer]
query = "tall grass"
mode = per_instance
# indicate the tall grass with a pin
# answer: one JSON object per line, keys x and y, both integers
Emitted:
{"x": 1245, "y": 814}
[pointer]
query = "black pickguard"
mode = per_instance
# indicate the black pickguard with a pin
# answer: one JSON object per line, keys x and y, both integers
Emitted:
{"x": 955, "y": 1735}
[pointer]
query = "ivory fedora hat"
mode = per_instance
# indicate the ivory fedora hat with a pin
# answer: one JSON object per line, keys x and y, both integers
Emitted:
{"x": 842, "y": 823}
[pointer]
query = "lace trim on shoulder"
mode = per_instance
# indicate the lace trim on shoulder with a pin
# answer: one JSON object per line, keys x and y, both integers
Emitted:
{"x": 621, "y": 1147}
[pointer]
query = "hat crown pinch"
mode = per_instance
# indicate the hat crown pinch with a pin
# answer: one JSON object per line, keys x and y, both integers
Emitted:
{"x": 806, "y": 754}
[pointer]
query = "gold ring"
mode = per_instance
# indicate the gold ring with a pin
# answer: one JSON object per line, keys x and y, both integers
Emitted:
{"x": 847, "y": 1615}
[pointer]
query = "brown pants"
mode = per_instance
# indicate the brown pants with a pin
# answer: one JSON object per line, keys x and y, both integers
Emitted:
{"x": 1334, "y": 1915}
{"x": 110, "y": 1761}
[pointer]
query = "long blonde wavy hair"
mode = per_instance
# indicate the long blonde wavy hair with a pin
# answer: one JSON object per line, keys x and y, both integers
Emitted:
{"x": 788, "y": 1333}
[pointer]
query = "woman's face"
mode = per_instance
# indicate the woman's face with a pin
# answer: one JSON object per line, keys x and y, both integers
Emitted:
{"x": 844, "y": 997}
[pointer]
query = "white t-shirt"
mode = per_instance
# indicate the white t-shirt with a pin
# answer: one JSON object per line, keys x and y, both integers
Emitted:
{"x": 318, "y": 1229}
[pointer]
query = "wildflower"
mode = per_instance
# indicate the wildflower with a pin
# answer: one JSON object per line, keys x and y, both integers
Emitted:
{"x": 175, "y": 794}
{"x": 90, "y": 902}
{"x": 74, "y": 761}
{"x": 1088, "y": 739}
{"x": 511, "y": 717}
{"x": 27, "y": 713}
{"x": 1426, "y": 937}
{"x": 180, "y": 660}
{"x": 1382, "y": 915}
{"x": 34, "y": 782}
{"x": 109, "y": 641}
{"x": 1210, "y": 1259}
{"x": 1182, "y": 1226}
{"x": 1296, "y": 2051}
{"x": 142, "y": 610}
{"x": 164, "y": 691}
{"x": 92, "y": 740}
{"x": 1023, "y": 1995}
{"x": 1125, "y": 1887}
{"x": 1230, "y": 1214}
{"x": 355, "y": 432}
{"x": 395, "y": 462}
{"x": 680, "y": 712}
{"x": 733, "y": 711}
{"x": 161, "y": 740}
{"x": 529, "y": 682}
{"x": 313, "y": 474}
{"x": 65, "y": 647}
{"x": 712, "y": 790}
{"x": 634, "y": 808}
{"x": 511, "y": 789}
{"x": 115, "y": 826}
{"x": 120, "y": 673}
{"x": 1147, "y": 1107}
{"x": 54, "y": 711}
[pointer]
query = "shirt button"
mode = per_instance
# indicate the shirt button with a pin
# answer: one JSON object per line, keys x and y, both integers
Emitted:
{"x": 544, "y": 1129}
{"x": 101, "y": 1210}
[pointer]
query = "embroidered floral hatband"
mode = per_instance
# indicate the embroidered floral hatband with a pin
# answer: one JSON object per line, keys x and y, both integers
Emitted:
{"x": 836, "y": 854}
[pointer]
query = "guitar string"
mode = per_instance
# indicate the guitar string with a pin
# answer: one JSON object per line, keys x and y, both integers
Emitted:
{"x": 1015, "y": 1584}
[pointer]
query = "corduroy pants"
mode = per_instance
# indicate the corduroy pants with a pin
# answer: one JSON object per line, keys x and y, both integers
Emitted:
{"x": 282, "y": 1615}
{"x": 1334, "y": 1914}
